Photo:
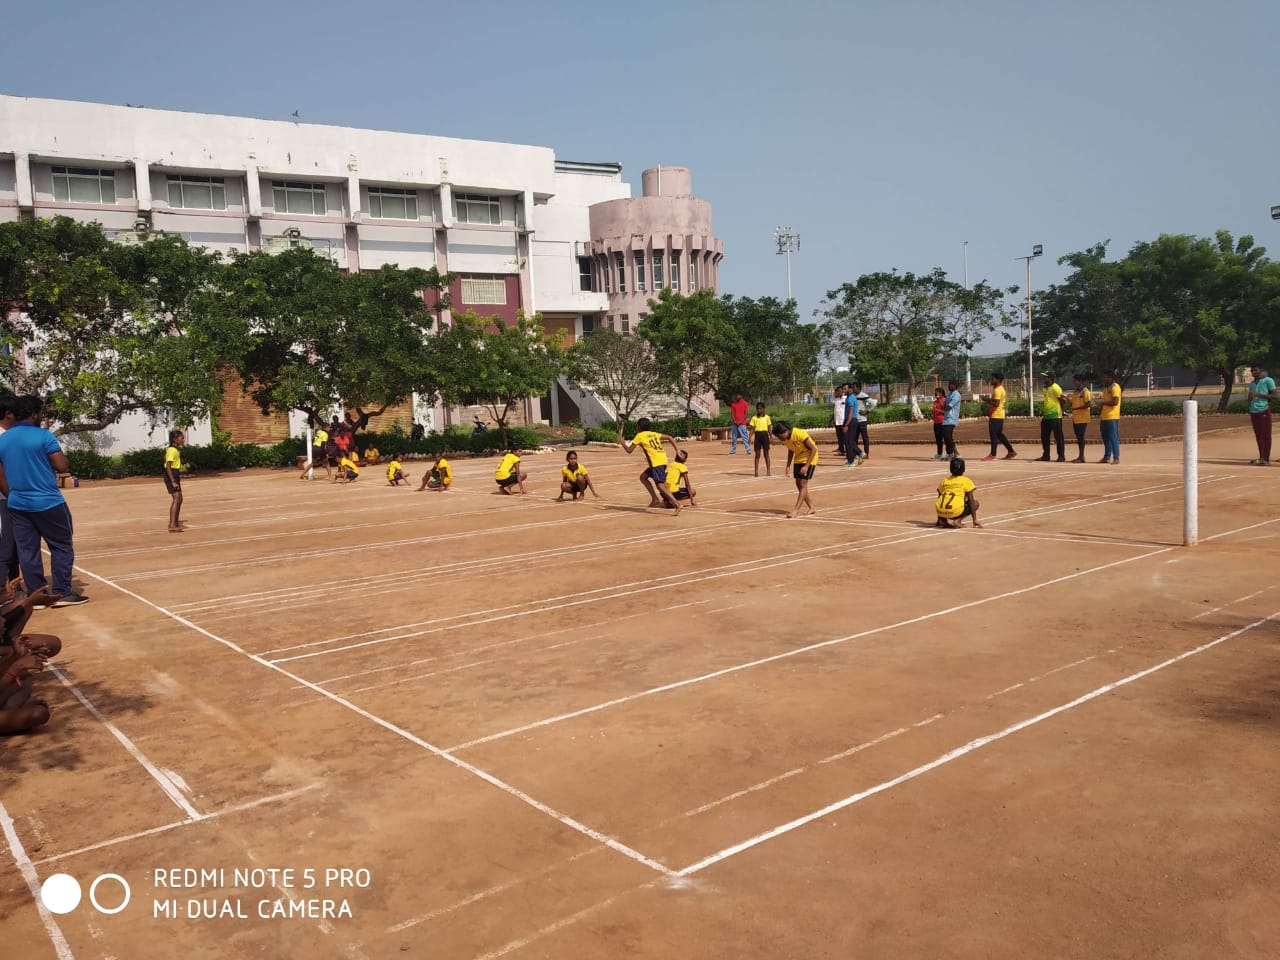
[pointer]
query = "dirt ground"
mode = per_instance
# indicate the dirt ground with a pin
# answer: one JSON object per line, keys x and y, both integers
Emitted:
{"x": 594, "y": 730}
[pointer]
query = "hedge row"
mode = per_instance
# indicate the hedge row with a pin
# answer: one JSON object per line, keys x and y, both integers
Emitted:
{"x": 150, "y": 462}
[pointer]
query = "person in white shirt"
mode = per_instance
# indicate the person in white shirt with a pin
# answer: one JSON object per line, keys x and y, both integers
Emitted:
{"x": 837, "y": 400}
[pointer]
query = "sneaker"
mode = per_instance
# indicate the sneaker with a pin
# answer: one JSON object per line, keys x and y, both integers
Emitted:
{"x": 1043, "y": 459}
{"x": 71, "y": 600}
{"x": 1078, "y": 460}
{"x": 1061, "y": 460}
{"x": 1106, "y": 460}
{"x": 1011, "y": 454}
{"x": 989, "y": 456}
{"x": 850, "y": 463}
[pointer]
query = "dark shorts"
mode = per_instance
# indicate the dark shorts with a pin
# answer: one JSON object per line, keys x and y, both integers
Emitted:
{"x": 802, "y": 471}
{"x": 174, "y": 485}
{"x": 681, "y": 494}
{"x": 397, "y": 475}
{"x": 658, "y": 474}
{"x": 762, "y": 440}
{"x": 511, "y": 481}
{"x": 352, "y": 475}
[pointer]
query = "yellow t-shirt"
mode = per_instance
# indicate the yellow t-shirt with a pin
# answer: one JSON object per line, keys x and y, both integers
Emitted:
{"x": 346, "y": 463}
{"x": 173, "y": 459}
{"x": 996, "y": 404}
{"x": 1080, "y": 400}
{"x": 1052, "y": 402}
{"x": 951, "y": 491}
{"x": 321, "y": 438}
{"x": 651, "y": 443}
{"x": 392, "y": 468}
{"x": 761, "y": 424}
{"x": 371, "y": 453}
{"x": 795, "y": 443}
{"x": 574, "y": 475}
{"x": 1111, "y": 393}
{"x": 507, "y": 465}
{"x": 675, "y": 471}
{"x": 444, "y": 471}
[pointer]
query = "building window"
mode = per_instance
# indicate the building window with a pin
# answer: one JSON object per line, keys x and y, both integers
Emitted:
{"x": 657, "y": 270}
{"x": 585, "y": 278}
{"x": 675, "y": 269}
{"x": 197, "y": 193}
{"x": 626, "y": 323}
{"x": 484, "y": 290}
{"x": 639, "y": 271}
{"x": 588, "y": 325}
{"x": 390, "y": 203}
{"x": 477, "y": 208}
{"x": 693, "y": 274}
{"x": 84, "y": 185}
{"x": 291, "y": 196}
{"x": 621, "y": 262}
{"x": 606, "y": 274}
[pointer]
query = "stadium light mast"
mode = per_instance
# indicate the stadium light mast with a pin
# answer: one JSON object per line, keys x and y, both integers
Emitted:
{"x": 1036, "y": 250}
{"x": 788, "y": 241}
{"x": 968, "y": 369}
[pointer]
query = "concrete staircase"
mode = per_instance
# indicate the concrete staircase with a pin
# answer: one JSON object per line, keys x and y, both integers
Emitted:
{"x": 595, "y": 410}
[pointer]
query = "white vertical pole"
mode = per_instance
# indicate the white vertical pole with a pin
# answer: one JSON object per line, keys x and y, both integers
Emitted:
{"x": 968, "y": 372}
{"x": 1031, "y": 376}
{"x": 788, "y": 271}
{"x": 310, "y": 465}
{"x": 1190, "y": 471}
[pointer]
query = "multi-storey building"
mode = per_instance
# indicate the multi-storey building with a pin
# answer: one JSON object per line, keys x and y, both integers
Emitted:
{"x": 520, "y": 229}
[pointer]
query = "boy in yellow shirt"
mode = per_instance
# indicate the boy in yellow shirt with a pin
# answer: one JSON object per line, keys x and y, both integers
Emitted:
{"x": 395, "y": 474}
{"x": 348, "y": 470}
{"x": 371, "y": 455}
{"x": 439, "y": 477}
{"x": 654, "y": 478}
{"x": 802, "y": 449}
{"x": 574, "y": 479}
{"x": 759, "y": 425}
{"x": 678, "y": 475}
{"x": 955, "y": 498}
{"x": 509, "y": 474}
{"x": 1081, "y": 413}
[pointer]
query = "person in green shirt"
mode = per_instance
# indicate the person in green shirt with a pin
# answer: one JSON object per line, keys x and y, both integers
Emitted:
{"x": 1261, "y": 392}
{"x": 1051, "y": 420}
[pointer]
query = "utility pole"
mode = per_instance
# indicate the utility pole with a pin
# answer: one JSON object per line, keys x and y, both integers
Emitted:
{"x": 1036, "y": 250}
{"x": 968, "y": 370}
{"x": 788, "y": 242}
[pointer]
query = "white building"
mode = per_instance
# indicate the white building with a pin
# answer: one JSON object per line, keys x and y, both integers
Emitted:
{"x": 510, "y": 220}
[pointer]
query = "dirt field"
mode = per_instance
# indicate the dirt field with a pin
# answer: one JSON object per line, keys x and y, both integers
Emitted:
{"x": 593, "y": 730}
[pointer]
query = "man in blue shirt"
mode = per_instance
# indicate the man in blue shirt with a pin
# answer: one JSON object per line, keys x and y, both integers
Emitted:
{"x": 30, "y": 459}
{"x": 852, "y": 455}
{"x": 951, "y": 418}
{"x": 1261, "y": 392}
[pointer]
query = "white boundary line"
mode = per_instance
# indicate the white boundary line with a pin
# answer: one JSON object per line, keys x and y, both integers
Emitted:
{"x": 28, "y": 871}
{"x": 959, "y": 752}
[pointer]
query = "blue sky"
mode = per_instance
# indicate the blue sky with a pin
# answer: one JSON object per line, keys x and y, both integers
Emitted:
{"x": 885, "y": 133}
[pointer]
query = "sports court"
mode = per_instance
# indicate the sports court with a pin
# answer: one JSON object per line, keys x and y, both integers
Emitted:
{"x": 592, "y": 729}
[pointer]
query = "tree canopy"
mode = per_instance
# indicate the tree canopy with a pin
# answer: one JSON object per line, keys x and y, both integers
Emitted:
{"x": 778, "y": 353}
{"x": 690, "y": 337}
{"x": 620, "y": 368}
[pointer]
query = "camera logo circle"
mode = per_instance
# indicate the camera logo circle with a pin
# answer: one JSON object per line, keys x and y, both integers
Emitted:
{"x": 61, "y": 893}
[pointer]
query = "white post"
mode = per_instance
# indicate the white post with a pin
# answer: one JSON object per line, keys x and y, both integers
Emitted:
{"x": 968, "y": 372}
{"x": 1190, "y": 478}
{"x": 310, "y": 465}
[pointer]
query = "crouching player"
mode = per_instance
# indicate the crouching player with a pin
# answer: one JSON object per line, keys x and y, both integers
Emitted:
{"x": 678, "y": 483}
{"x": 574, "y": 479}
{"x": 439, "y": 477}
{"x": 395, "y": 473}
{"x": 955, "y": 498}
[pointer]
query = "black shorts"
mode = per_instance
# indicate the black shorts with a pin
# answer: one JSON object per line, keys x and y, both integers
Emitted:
{"x": 174, "y": 485}
{"x": 681, "y": 494}
{"x": 762, "y": 440}
{"x": 511, "y": 481}
{"x": 803, "y": 471}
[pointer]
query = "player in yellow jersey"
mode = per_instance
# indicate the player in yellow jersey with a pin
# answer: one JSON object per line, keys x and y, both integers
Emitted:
{"x": 678, "y": 477}
{"x": 996, "y": 414}
{"x": 1080, "y": 399}
{"x": 955, "y": 498}
{"x": 1109, "y": 419}
{"x": 348, "y": 469}
{"x": 760, "y": 425}
{"x": 395, "y": 472}
{"x": 654, "y": 477}
{"x": 574, "y": 479}
{"x": 173, "y": 478}
{"x": 319, "y": 454}
{"x": 439, "y": 477}
{"x": 509, "y": 474}
{"x": 801, "y": 449}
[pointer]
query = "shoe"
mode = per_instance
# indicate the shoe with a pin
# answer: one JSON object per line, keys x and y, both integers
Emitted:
{"x": 851, "y": 463}
{"x": 937, "y": 456}
{"x": 72, "y": 600}
{"x": 1011, "y": 454}
{"x": 989, "y": 456}
{"x": 1061, "y": 460}
{"x": 1078, "y": 460}
{"x": 1044, "y": 459}
{"x": 1105, "y": 460}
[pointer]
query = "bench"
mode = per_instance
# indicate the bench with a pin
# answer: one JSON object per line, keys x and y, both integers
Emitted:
{"x": 63, "y": 478}
{"x": 715, "y": 433}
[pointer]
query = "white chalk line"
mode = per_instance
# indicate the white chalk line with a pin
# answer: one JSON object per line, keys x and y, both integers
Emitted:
{"x": 28, "y": 871}
{"x": 214, "y": 815}
{"x": 487, "y": 777}
{"x": 957, "y": 753}
{"x": 1232, "y": 603}
{"x": 786, "y": 654}
{"x": 166, "y": 784}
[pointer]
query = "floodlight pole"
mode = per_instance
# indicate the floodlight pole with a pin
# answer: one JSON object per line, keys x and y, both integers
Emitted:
{"x": 968, "y": 369}
{"x": 787, "y": 241}
{"x": 1036, "y": 251}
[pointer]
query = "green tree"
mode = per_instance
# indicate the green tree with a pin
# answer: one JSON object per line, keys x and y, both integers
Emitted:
{"x": 1098, "y": 319}
{"x": 778, "y": 354}
{"x": 102, "y": 330}
{"x": 484, "y": 361}
{"x": 620, "y": 368}
{"x": 690, "y": 336}
{"x": 910, "y": 322}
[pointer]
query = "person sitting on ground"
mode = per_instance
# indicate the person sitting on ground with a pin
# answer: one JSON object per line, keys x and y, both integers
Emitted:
{"x": 678, "y": 483}
{"x": 17, "y": 612}
{"x": 955, "y": 498}
{"x": 395, "y": 474}
{"x": 509, "y": 476}
{"x": 574, "y": 479}
{"x": 20, "y": 711}
{"x": 371, "y": 455}
{"x": 439, "y": 477}
{"x": 348, "y": 470}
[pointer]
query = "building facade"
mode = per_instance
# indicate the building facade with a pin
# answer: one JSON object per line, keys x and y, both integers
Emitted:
{"x": 518, "y": 228}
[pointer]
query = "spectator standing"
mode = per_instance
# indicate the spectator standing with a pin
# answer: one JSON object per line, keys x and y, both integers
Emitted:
{"x": 995, "y": 424}
{"x": 1261, "y": 392}
{"x": 1109, "y": 419}
{"x": 1081, "y": 412}
{"x": 837, "y": 401}
{"x": 951, "y": 418}
{"x": 1051, "y": 420}
{"x": 866, "y": 403}
{"x": 8, "y": 546}
{"x": 939, "y": 411}
{"x": 739, "y": 409}
{"x": 30, "y": 460}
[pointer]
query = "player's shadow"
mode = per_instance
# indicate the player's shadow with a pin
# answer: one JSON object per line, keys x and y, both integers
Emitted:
{"x": 1252, "y": 700}
{"x": 61, "y": 743}
{"x": 1225, "y": 462}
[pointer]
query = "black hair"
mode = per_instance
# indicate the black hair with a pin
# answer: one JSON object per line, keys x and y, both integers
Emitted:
{"x": 1078, "y": 376}
{"x": 953, "y": 384}
{"x": 682, "y": 456}
{"x": 998, "y": 377}
{"x": 780, "y": 427}
{"x": 644, "y": 423}
{"x": 957, "y": 467}
{"x": 27, "y": 406}
{"x": 174, "y": 435}
{"x": 571, "y": 453}
{"x": 7, "y": 401}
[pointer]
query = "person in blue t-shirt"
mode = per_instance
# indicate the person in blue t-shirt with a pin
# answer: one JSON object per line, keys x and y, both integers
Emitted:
{"x": 1261, "y": 392}
{"x": 852, "y": 455}
{"x": 30, "y": 460}
{"x": 951, "y": 418}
